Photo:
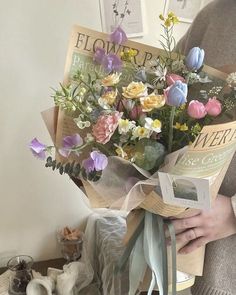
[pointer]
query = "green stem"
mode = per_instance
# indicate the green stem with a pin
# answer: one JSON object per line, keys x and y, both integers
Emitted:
{"x": 77, "y": 149}
{"x": 171, "y": 122}
{"x": 89, "y": 87}
{"x": 102, "y": 147}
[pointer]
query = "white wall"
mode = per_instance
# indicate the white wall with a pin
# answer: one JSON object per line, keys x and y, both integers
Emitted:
{"x": 33, "y": 43}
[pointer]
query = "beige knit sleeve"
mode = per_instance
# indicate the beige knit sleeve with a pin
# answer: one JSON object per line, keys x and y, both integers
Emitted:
{"x": 233, "y": 201}
{"x": 195, "y": 33}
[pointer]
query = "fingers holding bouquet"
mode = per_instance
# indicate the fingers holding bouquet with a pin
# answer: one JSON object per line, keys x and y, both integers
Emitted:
{"x": 206, "y": 226}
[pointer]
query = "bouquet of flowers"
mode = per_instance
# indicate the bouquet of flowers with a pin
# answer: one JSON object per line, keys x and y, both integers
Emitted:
{"x": 128, "y": 117}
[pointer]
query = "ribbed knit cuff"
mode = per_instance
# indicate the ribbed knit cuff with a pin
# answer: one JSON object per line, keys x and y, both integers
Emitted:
{"x": 233, "y": 201}
{"x": 201, "y": 288}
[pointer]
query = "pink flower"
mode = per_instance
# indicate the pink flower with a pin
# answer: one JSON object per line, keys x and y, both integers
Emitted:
{"x": 196, "y": 109}
{"x": 213, "y": 107}
{"x": 106, "y": 126}
{"x": 172, "y": 78}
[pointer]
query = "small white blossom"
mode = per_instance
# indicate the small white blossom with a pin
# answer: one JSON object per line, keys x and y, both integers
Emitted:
{"x": 231, "y": 79}
{"x": 80, "y": 123}
{"x": 125, "y": 126}
{"x": 88, "y": 138}
{"x": 140, "y": 132}
{"x": 102, "y": 102}
{"x": 153, "y": 125}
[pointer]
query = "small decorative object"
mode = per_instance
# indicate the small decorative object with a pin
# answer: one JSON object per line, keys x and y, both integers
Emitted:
{"x": 71, "y": 241}
{"x": 21, "y": 268}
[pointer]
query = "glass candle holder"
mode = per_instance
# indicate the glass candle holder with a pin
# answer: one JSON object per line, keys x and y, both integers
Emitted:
{"x": 71, "y": 250}
{"x": 21, "y": 274}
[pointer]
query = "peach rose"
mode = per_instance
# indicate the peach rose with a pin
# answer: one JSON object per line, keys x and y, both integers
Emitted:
{"x": 151, "y": 102}
{"x": 135, "y": 90}
{"x": 109, "y": 96}
{"x": 111, "y": 80}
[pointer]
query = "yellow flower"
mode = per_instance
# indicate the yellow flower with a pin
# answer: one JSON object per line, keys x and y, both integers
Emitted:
{"x": 134, "y": 90}
{"x": 109, "y": 97}
{"x": 167, "y": 23}
{"x": 111, "y": 80}
{"x": 130, "y": 151}
{"x": 180, "y": 127}
{"x": 183, "y": 106}
{"x": 171, "y": 14}
{"x": 120, "y": 152}
{"x": 127, "y": 55}
{"x": 171, "y": 19}
{"x": 126, "y": 153}
{"x": 183, "y": 127}
{"x": 177, "y": 125}
{"x": 152, "y": 101}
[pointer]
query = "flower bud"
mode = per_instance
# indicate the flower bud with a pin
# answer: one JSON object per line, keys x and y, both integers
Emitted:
{"x": 118, "y": 36}
{"x": 172, "y": 78}
{"x": 176, "y": 95}
{"x": 194, "y": 59}
{"x": 213, "y": 107}
{"x": 196, "y": 109}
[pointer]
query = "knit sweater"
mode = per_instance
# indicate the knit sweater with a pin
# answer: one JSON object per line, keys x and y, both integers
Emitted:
{"x": 214, "y": 30}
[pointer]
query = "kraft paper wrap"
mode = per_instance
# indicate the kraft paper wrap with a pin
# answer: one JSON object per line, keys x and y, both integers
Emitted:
{"x": 59, "y": 125}
{"x": 127, "y": 187}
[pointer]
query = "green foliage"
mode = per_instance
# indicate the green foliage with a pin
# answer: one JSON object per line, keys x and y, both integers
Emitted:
{"x": 72, "y": 169}
{"x": 149, "y": 154}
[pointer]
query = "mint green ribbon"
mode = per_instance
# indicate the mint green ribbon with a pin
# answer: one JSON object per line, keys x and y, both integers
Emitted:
{"x": 148, "y": 247}
{"x": 120, "y": 266}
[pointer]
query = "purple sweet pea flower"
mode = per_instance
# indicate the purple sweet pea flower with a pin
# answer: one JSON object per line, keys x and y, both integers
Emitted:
{"x": 99, "y": 55}
{"x": 88, "y": 165}
{"x": 194, "y": 59}
{"x": 100, "y": 160}
{"x": 97, "y": 161}
{"x": 118, "y": 36}
{"x": 70, "y": 142}
{"x": 111, "y": 62}
{"x": 176, "y": 95}
{"x": 38, "y": 149}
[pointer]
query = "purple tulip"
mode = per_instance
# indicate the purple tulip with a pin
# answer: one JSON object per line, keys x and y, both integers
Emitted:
{"x": 69, "y": 143}
{"x": 194, "y": 59}
{"x": 38, "y": 149}
{"x": 99, "y": 55}
{"x": 176, "y": 95}
{"x": 112, "y": 62}
{"x": 118, "y": 36}
{"x": 97, "y": 161}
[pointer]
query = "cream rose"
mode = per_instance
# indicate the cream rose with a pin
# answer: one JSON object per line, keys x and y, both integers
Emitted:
{"x": 135, "y": 90}
{"x": 151, "y": 102}
{"x": 109, "y": 97}
{"x": 111, "y": 80}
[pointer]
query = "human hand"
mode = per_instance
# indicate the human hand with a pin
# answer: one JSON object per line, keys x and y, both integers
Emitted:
{"x": 196, "y": 231}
